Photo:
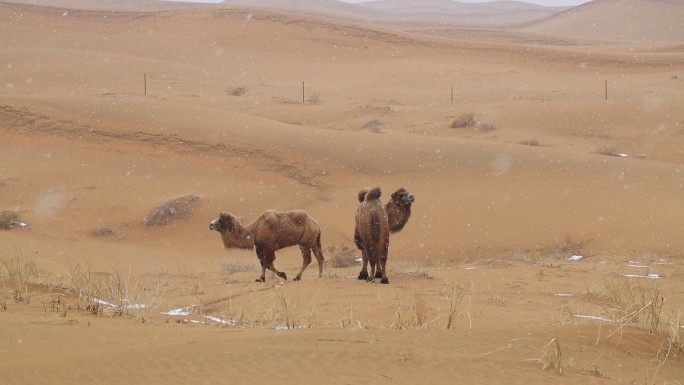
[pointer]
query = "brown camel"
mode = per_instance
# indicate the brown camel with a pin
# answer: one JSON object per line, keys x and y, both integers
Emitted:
{"x": 273, "y": 231}
{"x": 397, "y": 213}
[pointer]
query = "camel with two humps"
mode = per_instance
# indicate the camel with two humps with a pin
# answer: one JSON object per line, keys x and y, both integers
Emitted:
{"x": 270, "y": 232}
{"x": 374, "y": 223}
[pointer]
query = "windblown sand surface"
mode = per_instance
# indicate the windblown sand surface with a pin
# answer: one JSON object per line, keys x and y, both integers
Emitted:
{"x": 107, "y": 115}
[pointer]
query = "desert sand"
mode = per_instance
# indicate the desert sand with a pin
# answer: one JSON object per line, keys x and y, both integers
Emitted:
{"x": 545, "y": 244}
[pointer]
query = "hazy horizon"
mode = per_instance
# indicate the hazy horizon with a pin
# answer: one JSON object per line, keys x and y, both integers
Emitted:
{"x": 550, "y": 3}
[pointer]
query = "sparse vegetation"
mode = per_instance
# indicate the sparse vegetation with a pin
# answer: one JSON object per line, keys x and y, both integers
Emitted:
{"x": 416, "y": 319}
{"x": 9, "y": 219}
{"x": 486, "y": 126}
{"x": 455, "y": 297}
{"x": 628, "y": 300}
{"x": 531, "y": 142}
{"x": 674, "y": 335}
{"x": 102, "y": 231}
{"x": 463, "y": 121}
{"x": 342, "y": 256}
{"x": 374, "y": 122}
{"x": 239, "y": 91}
{"x": 610, "y": 151}
{"x": 17, "y": 271}
{"x": 229, "y": 267}
{"x": 174, "y": 208}
{"x": 565, "y": 247}
{"x": 315, "y": 98}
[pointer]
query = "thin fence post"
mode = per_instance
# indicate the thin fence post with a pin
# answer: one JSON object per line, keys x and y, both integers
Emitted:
{"x": 145, "y": 82}
{"x": 606, "y": 89}
{"x": 302, "y": 92}
{"x": 452, "y": 96}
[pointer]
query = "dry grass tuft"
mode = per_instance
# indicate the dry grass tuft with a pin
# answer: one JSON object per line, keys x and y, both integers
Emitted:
{"x": 486, "y": 126}
{"x": 531, "y": 142}
{"x": 463, "y": 121}
{"x": 239, "y": 91}
{"x": 415, "y": 319}
{"x": 9, "y": 220}
{"x": 674, "y": 335}
{"x": 342, "y": 256}
{"x": 18, "y": 271}
{"x": 631, "y": 300}
{"x": 103, "y": 231}
{"x": 455, "y": 297}
{"x": 371, "y": 123}
{"x": 174, "y": 208}
{"x": 565, "y": 247}
{"x": 229, "y": 267}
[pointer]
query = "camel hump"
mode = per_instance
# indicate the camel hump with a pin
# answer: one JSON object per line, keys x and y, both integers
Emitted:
{"x": 373, "y": 194}
{"x": 299, "y": 217}
{"x": 362, "y": 195}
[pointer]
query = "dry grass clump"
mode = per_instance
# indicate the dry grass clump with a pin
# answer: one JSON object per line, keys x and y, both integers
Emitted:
{"x": 463, "y": 121}
{"x": 315, "y": 98}
{"x": 372, "y": 123}
{"x": 415, "y": 319}
{"x": 9, "y": 219}
{"x": 229, "y": 267}
{"x": 102, "y": 231}
{"x": 342, "y": 256}
{"x": 631, "y": 300}
{"x": 239, "y": 91}
{"x": 486, "y": 126}
{"x": 174, "y": 208}
{"x": 610, "y": 151}
{"x": 674, "y": 335}
{"x": 564, "y": 248}
{"x": 531, "y": 142}
{"x": 17, "y": 271}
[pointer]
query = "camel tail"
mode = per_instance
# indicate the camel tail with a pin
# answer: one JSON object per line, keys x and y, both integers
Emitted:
{"x": 318, "y": 239}
{"x": 373, "y": 194}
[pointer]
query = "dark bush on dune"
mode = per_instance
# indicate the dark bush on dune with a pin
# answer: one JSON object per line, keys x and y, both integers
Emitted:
{"x": 10, "y": 219}
{"x": 174, "y": 208}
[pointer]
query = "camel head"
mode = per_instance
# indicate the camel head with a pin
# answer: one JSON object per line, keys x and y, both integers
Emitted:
{"x": 225, "y": 222}
{"x": 403, "y": 198}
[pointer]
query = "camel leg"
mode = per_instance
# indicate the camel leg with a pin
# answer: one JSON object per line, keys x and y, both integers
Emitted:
{"x": 263, "y": 275}
{"x": 262, "y": 260}
{"x": 363, "y": 275}
{"x": 269, "y": 260}
{"x": 373, "y": 259}
{"x": 306, "y": 256}
{"x": 382, "y": 263}
{"x": 320, "y": 258}
{"x": 364, "y": 257}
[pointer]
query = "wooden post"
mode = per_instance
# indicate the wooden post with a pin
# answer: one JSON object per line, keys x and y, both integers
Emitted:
{"x": 452, "y": 96}
{"x": 145, "y": 82}
{"x": 606, "y": 89}
{"x": 302, "y": 92}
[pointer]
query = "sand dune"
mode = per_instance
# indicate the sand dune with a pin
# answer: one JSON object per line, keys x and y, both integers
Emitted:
{"x": 105, "y": 115}
{"x": 612, "y": 20}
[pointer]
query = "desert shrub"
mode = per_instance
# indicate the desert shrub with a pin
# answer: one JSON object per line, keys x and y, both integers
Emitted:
{"x": 610, "y": 151}
{"x": 374, "y": 122}
{"x": 174, "y": 208}
{"x": 486, "y": 126}
{"x": 102, "y": 231}
{"x": 239, "y": 91}
{"x": 463, "y": 121}
{"x": 342, "y": 256}
{"x": 230, "y": 267}
{"x": 9, "y": 219}
{"x": 315, "y": 98}
{"x": 531, "y": 142}
{"x": 565, "y": 247}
